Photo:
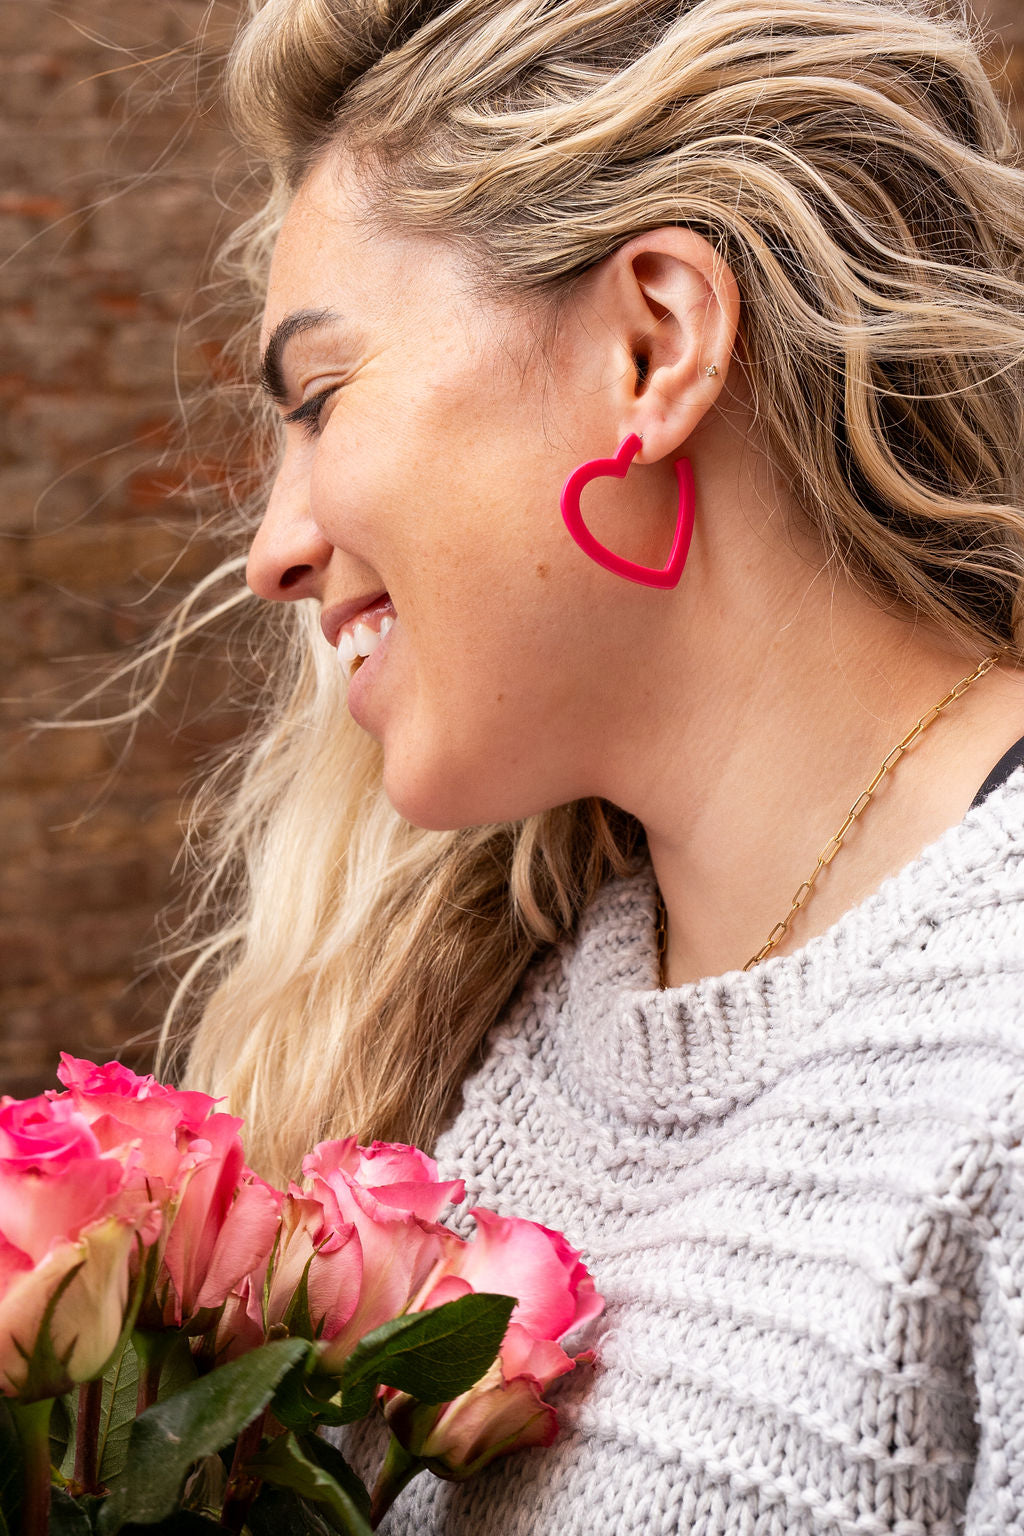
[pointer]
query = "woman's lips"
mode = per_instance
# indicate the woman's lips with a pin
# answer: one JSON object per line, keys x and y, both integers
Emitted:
{"x": 334, "y": 619}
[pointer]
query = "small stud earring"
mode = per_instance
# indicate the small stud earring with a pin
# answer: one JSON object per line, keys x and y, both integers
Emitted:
{"x": 712, "y": 371}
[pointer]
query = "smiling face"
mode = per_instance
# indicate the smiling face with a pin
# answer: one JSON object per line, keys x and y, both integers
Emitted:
{"x": 428, "y": 436}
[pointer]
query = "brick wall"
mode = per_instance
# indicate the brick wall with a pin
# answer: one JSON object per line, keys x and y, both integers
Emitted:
{"x": 108, "y": 210}
{"x": 106, "y": 207}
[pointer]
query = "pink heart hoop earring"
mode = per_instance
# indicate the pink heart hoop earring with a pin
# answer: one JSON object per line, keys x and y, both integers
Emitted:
{"x": 667, "y": 576}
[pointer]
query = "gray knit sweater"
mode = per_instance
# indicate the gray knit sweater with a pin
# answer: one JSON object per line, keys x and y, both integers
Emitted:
{"x": 801, "y": 1190}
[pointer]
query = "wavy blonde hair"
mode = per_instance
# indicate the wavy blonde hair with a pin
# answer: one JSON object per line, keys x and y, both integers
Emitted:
{"x": 852, "y": 163}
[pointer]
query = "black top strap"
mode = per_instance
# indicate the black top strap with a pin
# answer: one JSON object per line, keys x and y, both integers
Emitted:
{"x": 1002, "y": 770}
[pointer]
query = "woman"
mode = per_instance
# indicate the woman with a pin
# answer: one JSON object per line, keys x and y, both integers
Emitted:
{"x": 521, "y": 840}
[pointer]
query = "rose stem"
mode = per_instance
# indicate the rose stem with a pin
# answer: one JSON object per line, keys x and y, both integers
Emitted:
{"x": 398, "y": 1469}
{"x": 152, "y": 1350}
{"x": 87, "y": 1434}
{"x": 32, "y": 1421}
{"x": 242, "y": 1488}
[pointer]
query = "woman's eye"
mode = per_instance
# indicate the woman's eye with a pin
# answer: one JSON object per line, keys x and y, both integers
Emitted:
{"x": 308, "y": 414}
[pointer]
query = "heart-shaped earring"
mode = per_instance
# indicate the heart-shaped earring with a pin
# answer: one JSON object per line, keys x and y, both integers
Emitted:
{"x": 666, "y": 576}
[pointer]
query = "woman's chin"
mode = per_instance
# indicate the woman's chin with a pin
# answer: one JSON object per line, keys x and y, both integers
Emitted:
{"x": 440, "y": 812}
{"x": 450, "y": 800}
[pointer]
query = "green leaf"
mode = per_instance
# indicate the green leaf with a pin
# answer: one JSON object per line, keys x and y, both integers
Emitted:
{"x": 434, "y": 1355}
{"x": 304, "y": 1398}
{"x": 332, "y": 1461}
{"x": 118, "y": 1405}
{"x": 62, "y": 1432}
{"x": 283, "y": 1464}
{"x": 197, "y": 1421}
{"x": 70, "y": 1405}
{"x": 298, "y": 1319}
{"x": 117, "y": 1414}
{"x": 277, "y": 1511}
{"x": 67, "y": 1516}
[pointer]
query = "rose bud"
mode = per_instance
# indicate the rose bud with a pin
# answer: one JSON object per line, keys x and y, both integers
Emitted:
{"x": 69, "y": 1226}
{"x": 309, "y": 1285}
{"x": 504, "y": 1411}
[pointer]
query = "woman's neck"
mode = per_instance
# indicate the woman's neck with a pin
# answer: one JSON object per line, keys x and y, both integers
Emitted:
{"x": 780, "y": 693}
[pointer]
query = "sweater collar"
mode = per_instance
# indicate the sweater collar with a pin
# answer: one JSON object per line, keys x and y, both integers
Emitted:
{"x": 643, "y": 1054}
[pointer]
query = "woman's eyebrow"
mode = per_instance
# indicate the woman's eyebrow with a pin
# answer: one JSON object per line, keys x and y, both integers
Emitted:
{"x": 271, "y": 373}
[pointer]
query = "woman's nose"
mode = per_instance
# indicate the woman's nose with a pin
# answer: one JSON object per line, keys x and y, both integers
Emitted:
{"x": 289, "y": 554}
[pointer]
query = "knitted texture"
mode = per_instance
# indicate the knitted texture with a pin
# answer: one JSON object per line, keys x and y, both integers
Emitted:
{"x": 801, "y": 1190}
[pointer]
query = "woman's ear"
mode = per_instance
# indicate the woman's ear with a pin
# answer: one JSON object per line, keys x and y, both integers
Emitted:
{"x": 673, "y": 304}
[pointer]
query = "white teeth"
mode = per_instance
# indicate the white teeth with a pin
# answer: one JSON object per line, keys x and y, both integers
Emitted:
{"x": 366, "y": 639}
{"x": 347, "y": 652}
{"x": 355, "y": 644}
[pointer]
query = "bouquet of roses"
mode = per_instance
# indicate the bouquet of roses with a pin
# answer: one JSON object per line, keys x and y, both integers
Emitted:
{"x": 174, "y": 1332}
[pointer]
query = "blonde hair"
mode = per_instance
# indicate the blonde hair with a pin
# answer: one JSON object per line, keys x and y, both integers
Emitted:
{"x": 851, "y": 162}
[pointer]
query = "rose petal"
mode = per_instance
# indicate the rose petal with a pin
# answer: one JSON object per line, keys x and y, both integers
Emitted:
{"x": 35, "y": 1133}
{"x": 37, "y": 1209}
{"x": 540, "y": 1359}
{"x": 244, "y": 1238}
{"x": 479, "y": 1427}
{"x": 334, "y": 1282}
{"x": 451, "y": 1288}
{"x": 103, "y": 1085}
{"x": 523, "y": 1259}
{"x": 424, "y": 1200}
{"x": 87, "y": 1321}
{"x": 24, "y": 1297}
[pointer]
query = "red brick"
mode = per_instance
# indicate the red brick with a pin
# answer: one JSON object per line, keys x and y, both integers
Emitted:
{"x": 51, "y": 757}
{"x": 112, "y": 946}
{"x": 20, "y": 832}
{"x": 25, "y": 955}
{"x": 28, "y": 206}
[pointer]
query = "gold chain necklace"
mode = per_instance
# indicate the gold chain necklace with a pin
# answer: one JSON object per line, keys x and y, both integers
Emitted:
{"x": 834, "y": 844}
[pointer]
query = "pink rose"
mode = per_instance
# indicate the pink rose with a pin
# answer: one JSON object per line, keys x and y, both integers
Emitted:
{"x": 69, "y": 1224}
{"x": 135, "y": 1118}
{"x": 109, "y": 1086}
{"x": 360, "y": 1238}
{"x": 35, "y": 1133}
{"x": 326, "y": 1257}
{"x": 390, "y": 1196}
{"x": 523, "y": 1259}
{"x": 222, "y": 1225}
{"x": 220, "y": 1219}
{"x": 309, "y": 1252}
{"x": 505, "y": 1410}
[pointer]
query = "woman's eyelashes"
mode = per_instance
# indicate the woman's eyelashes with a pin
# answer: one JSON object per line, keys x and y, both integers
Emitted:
{"x": 308, "y": 414}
